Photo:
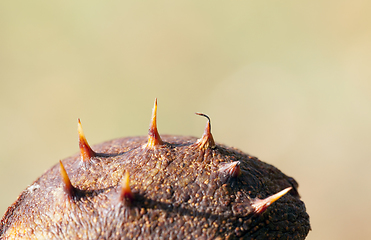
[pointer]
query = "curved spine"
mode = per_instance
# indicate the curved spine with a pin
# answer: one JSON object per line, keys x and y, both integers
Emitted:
{"x": 207, "y": 140}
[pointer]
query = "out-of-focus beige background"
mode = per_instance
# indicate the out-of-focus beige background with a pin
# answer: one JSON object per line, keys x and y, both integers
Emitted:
{"x": 287, "y": 81}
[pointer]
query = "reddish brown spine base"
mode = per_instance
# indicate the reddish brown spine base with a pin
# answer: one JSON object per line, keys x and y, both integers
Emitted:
{"x": 207, "y": 140}
{"x": 126, "y": 195}
{"x": 85, "y": 150}
{"x": 232, "y": 169}
{"x": 260, "y": 205}
{"x": 154, "y": 138}
{"x": 67, "y": 185}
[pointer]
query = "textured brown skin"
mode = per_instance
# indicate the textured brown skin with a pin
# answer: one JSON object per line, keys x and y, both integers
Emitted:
{"x": 178, "y": 194}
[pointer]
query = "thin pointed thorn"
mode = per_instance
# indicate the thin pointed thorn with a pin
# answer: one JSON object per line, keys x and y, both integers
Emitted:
{"x": 126, "y": 194}
{"x": 233, "y": 169}
{"x": 86, "y": 152}
{"x": 207, "y": 140}
{"x": 260, "y": 205}
{"x": 154, "y": 138}
{"x": 68, "y": 188}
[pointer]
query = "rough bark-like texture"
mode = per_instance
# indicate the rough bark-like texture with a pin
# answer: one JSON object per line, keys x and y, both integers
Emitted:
{"x": 178, "y": 192}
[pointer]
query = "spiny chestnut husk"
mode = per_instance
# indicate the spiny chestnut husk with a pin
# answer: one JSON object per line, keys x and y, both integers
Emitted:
{"x": 158, "y": 187}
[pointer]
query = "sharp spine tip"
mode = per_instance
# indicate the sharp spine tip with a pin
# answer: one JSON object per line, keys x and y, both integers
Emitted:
{"x": 85, "y": 150}
{"x": 68, "y": 188}
{"x": 207, "y": 140}
{"x": 154, "y": 138}
{"x": 260, "y": 205}
{"x": 233, "y": 169}
{"x": 126, "y": 194}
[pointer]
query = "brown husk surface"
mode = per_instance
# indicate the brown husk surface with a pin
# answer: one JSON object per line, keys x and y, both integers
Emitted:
{"x": 179, "y": 193}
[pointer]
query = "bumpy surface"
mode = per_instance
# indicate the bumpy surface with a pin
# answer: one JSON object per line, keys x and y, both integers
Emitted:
{"x": 179, "y": 188}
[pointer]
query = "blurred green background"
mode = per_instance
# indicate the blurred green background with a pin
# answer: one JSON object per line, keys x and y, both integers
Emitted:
{"x": 286, "y": 81}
